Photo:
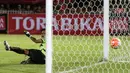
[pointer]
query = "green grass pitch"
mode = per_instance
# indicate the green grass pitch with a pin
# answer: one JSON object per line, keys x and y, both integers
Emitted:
{"x": 71, "y": 54}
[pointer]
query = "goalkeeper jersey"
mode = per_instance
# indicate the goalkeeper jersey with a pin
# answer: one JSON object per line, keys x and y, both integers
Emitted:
{"x": 43, "y": 46}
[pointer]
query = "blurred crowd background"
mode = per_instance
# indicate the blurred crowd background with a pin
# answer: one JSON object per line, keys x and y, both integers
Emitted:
{"x": 61, "y": 6}
{"x": 22, "y": 6}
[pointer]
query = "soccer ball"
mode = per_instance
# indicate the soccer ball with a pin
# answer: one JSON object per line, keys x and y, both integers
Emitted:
{"x": 115, "y": 43}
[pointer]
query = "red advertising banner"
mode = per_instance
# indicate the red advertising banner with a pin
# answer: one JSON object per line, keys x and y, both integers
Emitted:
{"x": 119, "y": 25}
{"x": 31, "y": 22}
{"x": 62, "y": 24}
{"x": 2, "y": 23}
{"x": 71, "y": 24}
{"x": 78, "y": 24}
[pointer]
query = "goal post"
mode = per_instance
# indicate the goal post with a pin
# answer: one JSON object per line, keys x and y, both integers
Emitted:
{"x": 49, "y": 19}
{"x": 106, "y": 29}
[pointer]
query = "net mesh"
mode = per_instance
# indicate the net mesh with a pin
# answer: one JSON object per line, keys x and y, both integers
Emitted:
{"x": 119, "y": 26}
{"x": 78, "y": 36}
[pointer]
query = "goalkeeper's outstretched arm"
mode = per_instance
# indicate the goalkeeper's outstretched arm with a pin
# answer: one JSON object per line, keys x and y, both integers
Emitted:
{"x": 36, "y": 40}
{"x": 32, "y": 38}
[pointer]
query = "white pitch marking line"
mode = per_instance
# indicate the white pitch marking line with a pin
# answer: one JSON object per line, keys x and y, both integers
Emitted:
{"x": 79, "y": 68}
{"x": 120, "y": 61}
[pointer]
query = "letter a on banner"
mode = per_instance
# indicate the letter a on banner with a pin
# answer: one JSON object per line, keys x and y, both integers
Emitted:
{"x": 2, "y": 23}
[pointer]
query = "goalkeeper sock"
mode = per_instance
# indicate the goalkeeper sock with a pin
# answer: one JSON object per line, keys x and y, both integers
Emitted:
{"x": 17, "y": 50}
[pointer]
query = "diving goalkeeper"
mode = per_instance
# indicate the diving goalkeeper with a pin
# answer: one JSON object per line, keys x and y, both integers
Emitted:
{"x": 36, "y": 56}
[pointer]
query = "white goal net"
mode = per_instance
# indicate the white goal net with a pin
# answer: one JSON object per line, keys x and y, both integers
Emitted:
{"x": 78, "y": 36}
{"x": 119, "y": 27}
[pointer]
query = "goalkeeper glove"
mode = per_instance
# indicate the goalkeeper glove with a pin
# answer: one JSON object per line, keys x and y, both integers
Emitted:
{"x": 27, "y": 34}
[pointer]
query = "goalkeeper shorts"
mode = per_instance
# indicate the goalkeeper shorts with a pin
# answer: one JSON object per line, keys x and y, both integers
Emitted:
{"x": 36, "y": 56}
